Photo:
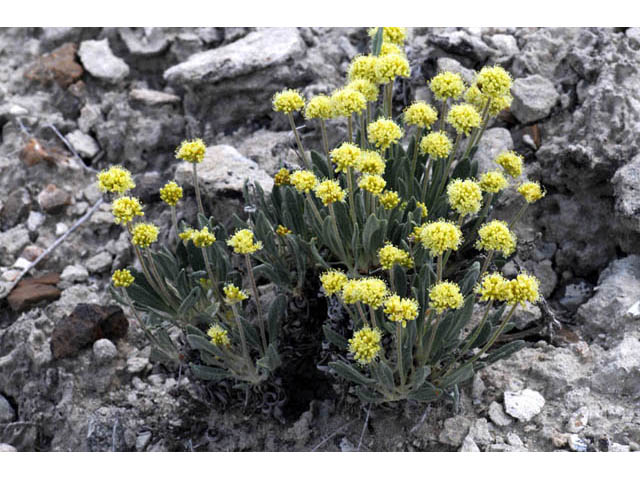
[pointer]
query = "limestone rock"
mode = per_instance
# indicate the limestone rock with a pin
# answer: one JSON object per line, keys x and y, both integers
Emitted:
{"x": 493, "y": 142}
{"x": 454, "y": 431}
{"x": 626, "y": 184}
{"x": 533, "y": 98}
{"x": 523, "y": 405}
{"x": 99, "y": 60}
{"x": 84, "y": 144}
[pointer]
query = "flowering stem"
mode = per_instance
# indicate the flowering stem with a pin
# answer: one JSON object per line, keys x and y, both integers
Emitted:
{"x": 350, "y": 127}
{"x": 363, "y": 136}
{"x": 368, "y": 113}
{"x": 443, "y": 113}
{"x": 352, "y": 208}
{"x": 334, "y": 222}
{"x": 243, "y": 338}
{"x": 414, "y": 160}
{"x": 147, "y": 274}
{"x": 389, "y": 92}
{"x": 303, "y": 156}
{"x": 197, "y": 188}
{"x": 256, "y": 298}
{"x": 425, "y": 178}
{"x": 452, "y": 155}
{"x": 212, "y": 277}
{"x": 314, "y": 209}
{"x": 518, "y": 215}
{"x": 325, "y": 141}
{"x": 174, "y": 221}
{"x": 478, "y": 131}
{"x": 399, "y": 349}
{"x": 156, "y": 275}
{"x": 461, "y": 219}
{"x": 495, "y": 336}
{"x": 485, "y": 265}
{"x": 434, "y": 327}
{"x": 439, "y": 268}
{"x": 372, "y": 314}
{"x": 362, "y": 315}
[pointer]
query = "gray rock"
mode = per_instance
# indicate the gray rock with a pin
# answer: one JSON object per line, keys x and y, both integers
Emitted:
{"x": 578, "y": 420}
{"x": 99, "y": 61}
{"x": 445, "y": 64}
{"x": 90, "y": 115}
{"x": 84, "y": 144}
{"x": 463, "y": 43}
{"x": 576, "y": 443}
{"x": 523, "y": 405}
{"x": 5, "y": 448}
{"x": 633, "y": 34}
{"x": 497, "y": 415}
{"x": 533, "y": 98}
{"x": 526, "y": 316}
{"x": 468, "y": 445}
{"x": 153, "y": 97}
{"x": 479, "y": 431}
{"x": 626, "y": 185}
{"x": 142, "y": 440}
{"x": 104, "y": 351}
{"x": 616, "y": 447}
{"x": 17, "y": 206}
{"x": 12, "y": 242}
{"x": 35, "y": 221}
{"x": 7, "y": 413}
{"x": 99, "y": 263}
{"x": 144, "y": 42}
{"x": 514, "y": 440}
{"x": 620, "y": 370}
{"x": 74, "y": 273}
{"x": 223, "y": 169}
{"x": 454, "y": 431}
{"x": 137, "y": 364}
{"x": 53, "y": 199}
{"x": 575, "y": 294}
{"x": 493, "y": 142}
{"x": 507, "y": 45}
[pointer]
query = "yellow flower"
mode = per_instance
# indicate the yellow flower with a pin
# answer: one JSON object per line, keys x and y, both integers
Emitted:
{"x": 125, "y": 208}
{"x": 288, "y": 101}
{"x": 524, "y": 288}
{"x": 420, "y": 114}
{"x": 388, "y": 48}
{"x": 367, "y": 88}
{"x": 345, "y": 156}
{"x": 330, "y": 191}
{"x": 440, "y": 236}
{"x": 388, "y": 67}
{"x": 494, "y": 81}
{"x": 445, "y": 295}
{"x": 283, "y": 177}
{"x": 303, "y": 180}
{"x": 144, "y": 234}
{"x": 395, "y": 35}
{"x": 531, "y": 191}
{"x": 476, "y": 98}
{"x": 389, "y": 199}
{"x": 511, "y": 162}
{"x": 423, "y": 209}
{"x": 242, "y": 242}
{"x": 495, "y": 235}
{"x": 219, "y": 336}
{"x": 350, "y": 291}
{"x": 363, "y": 67}
{"x": 365, "y": 345}
{"x": 122, "y": 278}
{"x": 191, "y": 151}
{"x": 447, "y": 85}
{"x": 401, "y": 309}
{"x": 463, "y": 118}
{"x": 282, "y": 230}
{"x": 187, "y": 234}
{"x": 372, "y": 291}
{"x": 203, "y": 238}
{"x": 116, "y": 180}
{"x": 319, "y": 107}
{"x": 493, "y": 286}
{"x": 384, "y": 132}
{"x": 493, "y": 182}
{"x": 233, "y": 294}
{"x": 390, "y": 255}
{"x": 436, "y": 145}
{"x": 372, "y": 183}
{"x": 465, "y": 196}
{"x": 333, "y": 281}
{"x": 370, "y": 162}
{"x": 347, "y": 101}
{"x": 171, "y": 193}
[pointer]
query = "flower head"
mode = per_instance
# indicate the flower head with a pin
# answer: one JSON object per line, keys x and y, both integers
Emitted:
{"x": 464, "y": 118}
{"x": 346, "y": 101}
{"x": 436, "y": 145}
{"x": 370, "y": 162}
{"x": 304, "y": 180}
{"x": 395, "y": 35}
{"x": 363, "y": 66}
{"x": 495, "y": 235}
{"x": 282, "y": 177}
{"x": 218, "y": 336}
{"x": 493, "y": 182}
{"x": 420, "y": 114}
{"x": 523, "y": 288}
{"x": 319, "y": 107}
{"x": 233, "y": 294}
{"x": 116, "y": 179}
{"x": 345, "y": 156}
{"x": 389, "y": 255}
{"x": 388, "y": 67}
{"x": 372, "y": 291}
{"x": 494, "y": 81}
{"x": 144, "y": 234}
{"x": 384, "y": 132}
{"x": 465, "y": 196}
{"x": 124, "y": 209}
{"x": 372, "y": 183}
{"x": 288, "y": 101}
{"x": 191, "y": 151}
{"x": 365, "y": 345}
{"x": 367, "y": 88}
{"x": 388, "y": 48}
{"x": 493, "y": 287}
{"x": 282, "y": 230}
{"x": 531, "y": 191}
{"x": 511, "y": 162}
{"x": 171, "y": 193}
{"x": 333, "y": 281}
{"x": 445, "y": 295}
{"x": 401, "y": 309}
{"x": 389, "y": 199}
{"x": 423, "y": 209}
{"x": 475, "y": 97}
{"x": 440, "y": 236}
{"x": 350, "y": 291}
{"x": 243, "y": 243}
{"x": 122, "y": 278}
{"x": 203, "y": 238}
{"x": 447, "y": 85}
{"x": 187, "y": 234}
{"x": 329, "y": 191}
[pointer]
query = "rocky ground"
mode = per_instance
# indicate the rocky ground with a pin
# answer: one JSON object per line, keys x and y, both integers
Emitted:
{"x": 73, "y": 100}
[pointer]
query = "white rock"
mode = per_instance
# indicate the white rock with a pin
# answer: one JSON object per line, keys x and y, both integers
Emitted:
{"x": 74, "y": 273}
{"x": 137, "y": 364}
{"x": 99, "y": 61}
{"x": 468, "y": 445}
{"x": 454, "y": 431}
{"x": 7, "y": 413}
{"x": 5, "y": 448}
{"x": 142, "y": 440}
{"x": 99, "y": 263}
{"x": 578, "y": 420}
{"x": 35, "y": 220}
{"x": 507, "y": 44}
{"x": 84, "y": 144}
{"x": 153, "y": 97}
{"x": 497, "y": 415}
{"x": 616, "y": 447}
{"x": 576, "y": 443}
{"x": 523, "y": 405}
{"x": 21, "y": 263}
{"x": 514, "y": 440}
{"x": 479, "y": 431}
{"x": 61, "y": 228}
{"x": 533, "y": 98}
{"x": 104, "y": 351}
{"x": 634, "y": 311}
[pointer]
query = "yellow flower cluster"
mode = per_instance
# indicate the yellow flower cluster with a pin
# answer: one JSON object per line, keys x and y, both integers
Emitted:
{"x": 447, "y": 85}
{"x": 384, "y": 132}
{"x": 122, "y": 278}
{"x": 124, "y": 209}
{"x": 531, "y": 191}
{"x": 465, "y": 196}
{"x": 282, "y": 230}
{"x": 493, "y": 182}
{"x": 282, "y": 177}
{"x": 523, "y": 288}
{"x": 363, "y": 67}
{"x": 333, "y": 281}
{"x": 365, "y": 345}
{"x": 350, "y": 291}
{"x": 203, "y": 238}
{"x": 423, "y": 209}
{"x": 389, "y": 255}
{"x": 243, "y": 243}
{"x": 345, "y": 156}
{"x": 116, "y": 180}
{"x": 372, "y": 291}
{"x": 171, "y": 193}
{"x": 233, "y": 294}
{"x": 288, "y": 101}
{"x": 395, "y": 35}
{"x": 475, "y": 97}
{"x": 388, "y": 48}
{"x": 445, "y": 295}
{"x": 303, "y": 180}
{"x": 370, "y": 162}
{"x": 420, "y": 114}
{"x": 440, "y": 236}
{"x": 144, "y": 234}
{"x": 330, "y": 191}
{"x": 319, "y": 107}
{"x": 494, "y": 81}
{"x": 191, "y": 151}
{"x": 388, "y": 67}
{"x": 219, "y": 336}
{"x": 347, "y": 101}
{"x": 367, "y": 88}
{"x": 464, "y": 118}
{"x": 372, "y": 183}
{"x": 493, "y": 287}
{"x": 511, "y": 162}
{"x": 436, "y": 145}
{"x": 401, "y": 309}
{"x": 389, "y": 199}
{"x": 186, "y": 234}
{"x": 495, "y": 235}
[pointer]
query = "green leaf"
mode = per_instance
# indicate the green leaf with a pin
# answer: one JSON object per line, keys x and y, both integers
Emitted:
{"x": 277, "y": 312}
{"x": 470, "y": 279}
{"x": 188, "y": 303}
{"x": 400, "y": 280}
{"x": 200, "y": 343}
{"x": 271, "y": 361}
{"x": 426, "y": 393}
{"x": 335, "y": 338}
{"x": 321, "y": 164}
{"x": 347, "y": 372}
{"x": 458, "y": 376}
{"x": 367, "y": 396}
{"x": 209, "y": 373}
{"x": 502, "y": 352}
{"x": 384, "y": 374}
{"x": 376, "y": 43}
{"x": 420, "y": 376}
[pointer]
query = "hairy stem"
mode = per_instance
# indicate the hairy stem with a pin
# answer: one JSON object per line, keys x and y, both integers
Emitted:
{"x": 196, "y": 185}
{"x": 256, "y": 298}
{"x": 303, "y": 155}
